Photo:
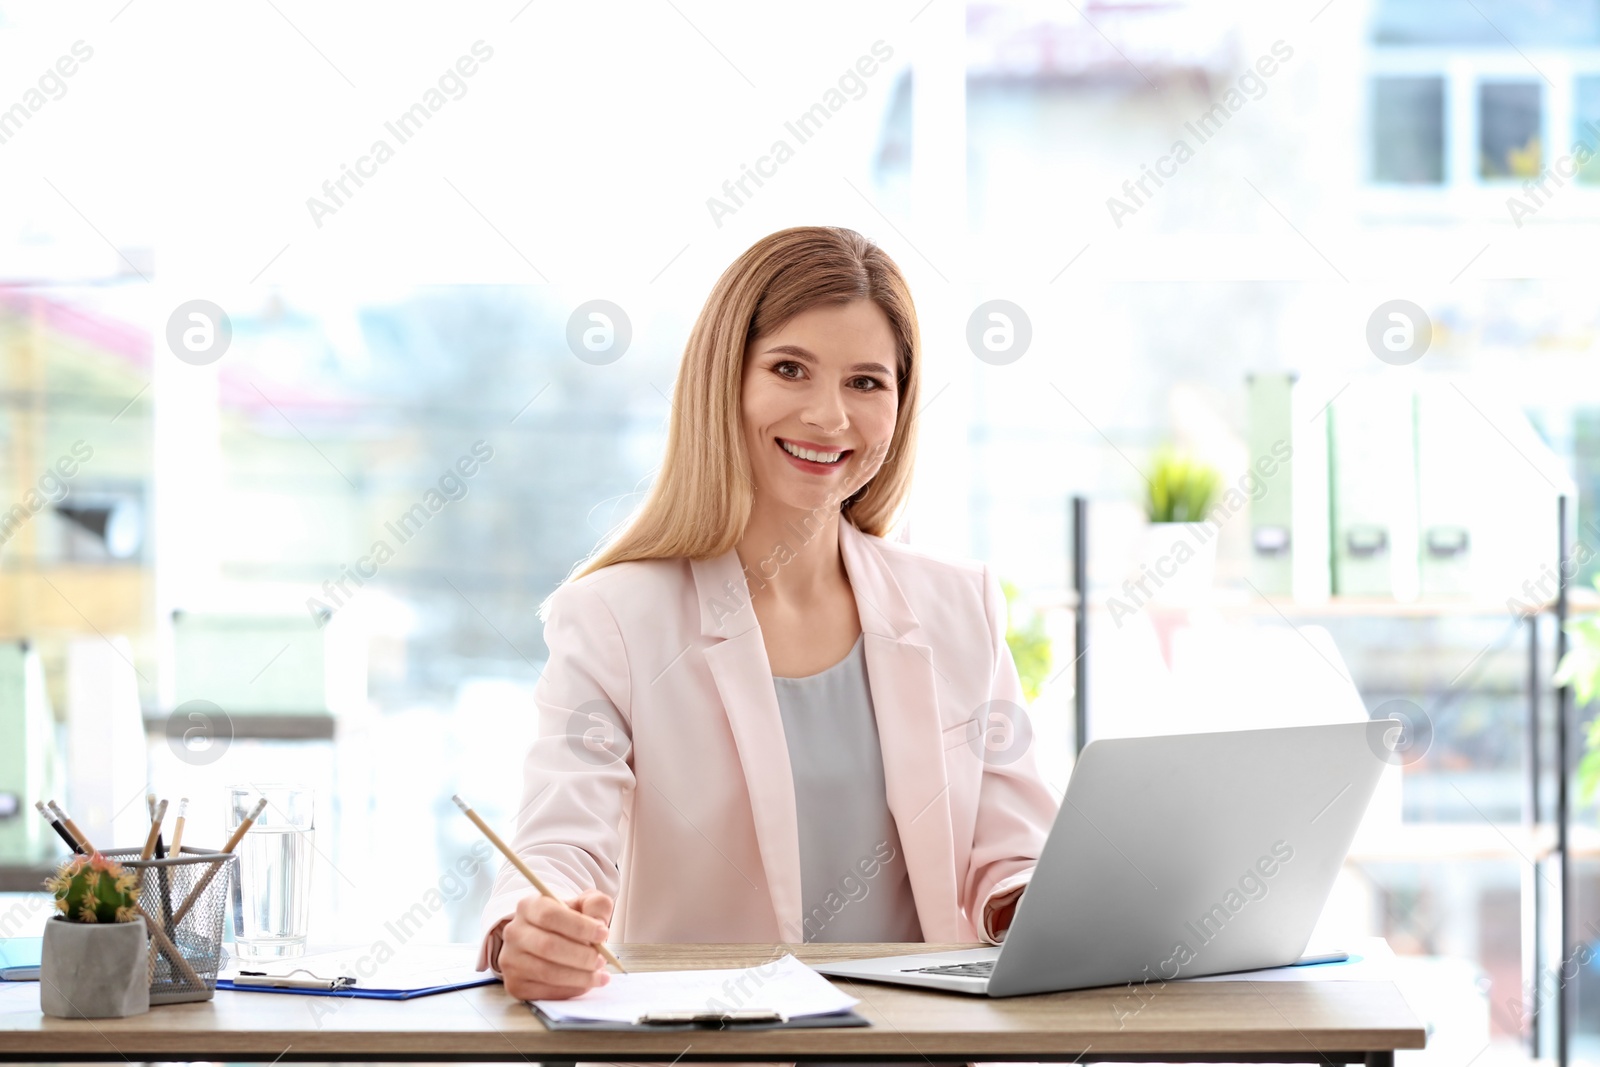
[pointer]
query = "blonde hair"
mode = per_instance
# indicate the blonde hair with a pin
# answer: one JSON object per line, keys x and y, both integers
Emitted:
{"x": 701, "y": 501}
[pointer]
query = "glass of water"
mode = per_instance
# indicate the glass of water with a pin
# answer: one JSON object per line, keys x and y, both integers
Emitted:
{"x": 272, "y": 897}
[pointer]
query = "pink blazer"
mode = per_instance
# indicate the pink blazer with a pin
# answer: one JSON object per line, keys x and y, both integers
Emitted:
{"x": 660, "y": 773}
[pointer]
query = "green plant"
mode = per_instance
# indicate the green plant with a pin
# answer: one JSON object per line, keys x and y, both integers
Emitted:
{"x": 1580, "y": 668}
{"x": 1181, "y": 488}
{"x": 93, "y": 889}
{"x": 1030, "y": 646}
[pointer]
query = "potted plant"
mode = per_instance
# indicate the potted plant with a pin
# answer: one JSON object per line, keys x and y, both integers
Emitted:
{"x": 94, "y": 962}
{"x": 1029, "y": 645}
{"x": 1180, "y": 556}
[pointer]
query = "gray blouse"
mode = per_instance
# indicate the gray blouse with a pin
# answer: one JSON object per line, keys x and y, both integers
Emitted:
{"x": 854, "y": 884}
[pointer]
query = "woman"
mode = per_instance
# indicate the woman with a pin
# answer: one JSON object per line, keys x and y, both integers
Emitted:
{"x": 760, "y": 721}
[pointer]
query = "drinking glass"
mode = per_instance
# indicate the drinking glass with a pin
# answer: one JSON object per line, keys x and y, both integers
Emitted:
{"x": 272, "y": 904}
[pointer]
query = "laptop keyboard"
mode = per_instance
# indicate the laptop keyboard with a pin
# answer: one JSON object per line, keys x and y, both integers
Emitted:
{"x": 976, "y": 969}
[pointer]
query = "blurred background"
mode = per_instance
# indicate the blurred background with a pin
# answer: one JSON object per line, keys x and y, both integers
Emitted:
{"x": 1260, "y": 360}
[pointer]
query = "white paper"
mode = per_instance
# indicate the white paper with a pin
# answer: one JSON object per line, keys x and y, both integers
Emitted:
{"x": 784, "y": 985}
{"x": 1371, "y": 960}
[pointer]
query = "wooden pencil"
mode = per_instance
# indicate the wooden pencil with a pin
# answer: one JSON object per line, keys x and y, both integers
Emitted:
{"x": 158, "y": 812}
{"x": 527, "y": 872}
{"x": 72, "y": 827}
{"x": 177, "y": 827}
{"x": 55, "y": 824}
{"x": 233, "y": 840}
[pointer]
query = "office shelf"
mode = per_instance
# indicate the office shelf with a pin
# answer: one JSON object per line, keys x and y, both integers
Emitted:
{"x": 1545, "y": 836}
{"x": 261, "y": 725}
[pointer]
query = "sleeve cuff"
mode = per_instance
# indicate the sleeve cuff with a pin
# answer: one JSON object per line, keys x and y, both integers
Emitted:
{"x": 997, "y": 901}
{"x": 489, "y": 952}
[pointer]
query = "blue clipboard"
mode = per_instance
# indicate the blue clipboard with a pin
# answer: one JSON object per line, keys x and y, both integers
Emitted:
{"x": 358, "y": 992}
{"x": 19, "y": 958}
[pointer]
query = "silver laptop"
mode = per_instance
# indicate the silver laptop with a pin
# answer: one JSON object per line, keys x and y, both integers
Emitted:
{"x": 1174, "y": 857}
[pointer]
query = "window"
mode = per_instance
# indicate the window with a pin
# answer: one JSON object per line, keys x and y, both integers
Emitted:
{"x": 1493, "y": 24}
{"x": 1408, "y": 129}
{"x": 1586, "y": 124}
{"x": 1508, "y": 130}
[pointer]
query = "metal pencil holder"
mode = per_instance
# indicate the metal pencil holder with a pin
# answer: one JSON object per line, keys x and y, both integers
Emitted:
{"x": 184, "y": 898}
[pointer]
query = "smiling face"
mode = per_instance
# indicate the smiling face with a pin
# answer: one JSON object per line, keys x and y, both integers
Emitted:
{"x": 823, "y": 385}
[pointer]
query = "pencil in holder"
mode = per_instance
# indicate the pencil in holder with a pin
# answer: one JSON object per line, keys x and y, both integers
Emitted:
{"x": 184, "y": 898}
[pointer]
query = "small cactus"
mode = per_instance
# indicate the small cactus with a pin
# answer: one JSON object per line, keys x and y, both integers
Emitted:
{"x": 93, "y": 889}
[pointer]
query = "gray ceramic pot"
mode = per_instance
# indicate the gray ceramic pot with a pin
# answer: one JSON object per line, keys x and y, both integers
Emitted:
{"x": 94, "y": 970}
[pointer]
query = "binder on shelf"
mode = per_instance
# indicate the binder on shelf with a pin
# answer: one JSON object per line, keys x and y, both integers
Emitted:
{"x": 1448, "y": 489}
{"x": 1515, "y": 473}
{"x": 1288, "y": 442}
{"x": 1374, "y": 488}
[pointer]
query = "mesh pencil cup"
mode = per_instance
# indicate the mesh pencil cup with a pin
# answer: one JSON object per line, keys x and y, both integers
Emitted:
{"x": 184, "y": 898}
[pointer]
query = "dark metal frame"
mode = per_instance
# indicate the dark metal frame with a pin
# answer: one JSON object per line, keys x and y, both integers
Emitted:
{"x": 1564, "y": 995}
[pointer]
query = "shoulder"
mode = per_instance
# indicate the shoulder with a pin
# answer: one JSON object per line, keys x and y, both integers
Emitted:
{"x": 635, "y": 582}
{"x": 917, "y": 557}
{"x": 927, "y": 577}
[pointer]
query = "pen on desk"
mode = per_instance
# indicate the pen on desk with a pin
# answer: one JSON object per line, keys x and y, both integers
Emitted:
{"x": 55, "y": 824}
{"x": 527, "y": 872}
{"x": 177, "y": 827}
{"x": 267, "y": 981}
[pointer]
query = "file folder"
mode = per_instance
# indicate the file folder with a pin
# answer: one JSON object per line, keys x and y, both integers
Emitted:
{"x": 1289, "y": 513}
{"x": 1450, "y": 487}
{"x": 1374, "y": 481}
{"x": 1272, "y": 541}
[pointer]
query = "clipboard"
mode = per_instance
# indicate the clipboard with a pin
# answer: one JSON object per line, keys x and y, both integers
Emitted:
{"x": 412, "y": 970}
{"x": 19, "y": 958}
{"x": 710, "y": 1021}
{"x": 358, "y": 992}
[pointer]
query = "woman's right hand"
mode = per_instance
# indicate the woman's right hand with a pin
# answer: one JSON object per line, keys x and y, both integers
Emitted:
{"x": 547, "y": 950}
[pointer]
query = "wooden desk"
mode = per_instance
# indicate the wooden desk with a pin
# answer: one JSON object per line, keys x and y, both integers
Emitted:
{"x": 1324, "y": 1022}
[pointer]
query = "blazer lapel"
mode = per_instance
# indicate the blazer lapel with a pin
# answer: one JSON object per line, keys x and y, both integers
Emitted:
{"x": 738, "y": 663}
{"x": 900, "y": 675}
